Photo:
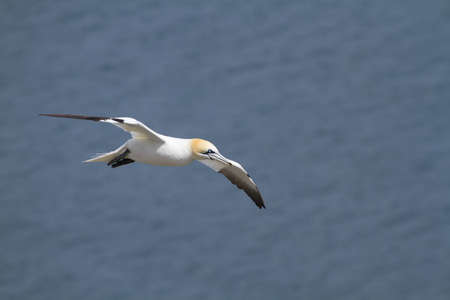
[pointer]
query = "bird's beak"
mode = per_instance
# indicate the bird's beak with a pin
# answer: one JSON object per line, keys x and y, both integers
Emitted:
{"x": 219, "y": 157}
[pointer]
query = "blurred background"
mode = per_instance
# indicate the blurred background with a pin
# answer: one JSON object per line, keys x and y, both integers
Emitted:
{"x": 340, "y": 111}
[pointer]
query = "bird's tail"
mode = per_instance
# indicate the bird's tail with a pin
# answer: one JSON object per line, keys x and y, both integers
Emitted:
{"x": 106, "y": 157}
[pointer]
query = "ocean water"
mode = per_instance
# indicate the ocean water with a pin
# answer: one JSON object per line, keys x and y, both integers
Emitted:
{"x": 340, "y": 111}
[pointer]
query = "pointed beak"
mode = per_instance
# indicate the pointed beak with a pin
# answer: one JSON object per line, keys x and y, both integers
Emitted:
{"x": 219, "y": 157}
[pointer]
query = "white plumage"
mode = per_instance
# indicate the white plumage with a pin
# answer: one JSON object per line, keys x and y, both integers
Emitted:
{"x": 149, "y": 147}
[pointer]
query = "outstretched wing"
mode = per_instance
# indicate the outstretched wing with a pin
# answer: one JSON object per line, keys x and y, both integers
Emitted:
{"x": 137, "y": 129}
{"x": 238, "y": 176}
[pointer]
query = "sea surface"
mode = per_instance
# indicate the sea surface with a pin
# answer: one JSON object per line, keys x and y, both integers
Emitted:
{"x": 339, "y": 110}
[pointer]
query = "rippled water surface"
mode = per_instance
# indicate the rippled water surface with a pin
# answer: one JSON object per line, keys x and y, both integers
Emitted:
{"x": 340, "y": 111}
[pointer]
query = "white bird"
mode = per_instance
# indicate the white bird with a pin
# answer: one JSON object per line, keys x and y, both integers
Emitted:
{"x": 148, "y": 147}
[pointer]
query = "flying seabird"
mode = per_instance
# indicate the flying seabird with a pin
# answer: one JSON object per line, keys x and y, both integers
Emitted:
{"x": 149, "y": 147}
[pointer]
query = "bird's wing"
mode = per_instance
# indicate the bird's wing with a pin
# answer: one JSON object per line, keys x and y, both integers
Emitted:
{"x": 137, "y": 129}
{"x": 238, "y": 176}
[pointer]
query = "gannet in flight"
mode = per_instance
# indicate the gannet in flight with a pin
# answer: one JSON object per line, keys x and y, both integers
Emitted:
{"x": 148, "y": 147}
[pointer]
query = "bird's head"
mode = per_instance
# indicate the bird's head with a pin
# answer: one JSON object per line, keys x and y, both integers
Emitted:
{"x": 202, "y": 149}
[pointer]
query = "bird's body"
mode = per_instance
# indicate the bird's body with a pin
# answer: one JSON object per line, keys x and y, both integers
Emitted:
{"x": 173, "y": 152}
{"x": 148, "y": 147}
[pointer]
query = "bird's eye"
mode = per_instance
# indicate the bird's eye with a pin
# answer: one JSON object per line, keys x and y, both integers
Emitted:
{"x": 209, "y": 151}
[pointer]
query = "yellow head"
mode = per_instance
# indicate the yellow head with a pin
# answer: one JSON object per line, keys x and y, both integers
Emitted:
{"x": 201, "y": 149}
{"x": 204, "y": 150}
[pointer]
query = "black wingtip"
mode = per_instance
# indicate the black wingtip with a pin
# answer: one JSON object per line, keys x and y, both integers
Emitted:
{"x": 80, "y": 117}
{"x": 257, "y": 199}
{"x": 261, "y": 205}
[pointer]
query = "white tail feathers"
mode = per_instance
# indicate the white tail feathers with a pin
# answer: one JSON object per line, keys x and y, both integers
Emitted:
{"x": 106, "y": 157}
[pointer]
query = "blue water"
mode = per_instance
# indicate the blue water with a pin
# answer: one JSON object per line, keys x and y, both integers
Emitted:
{"x": 340, "y": 111}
